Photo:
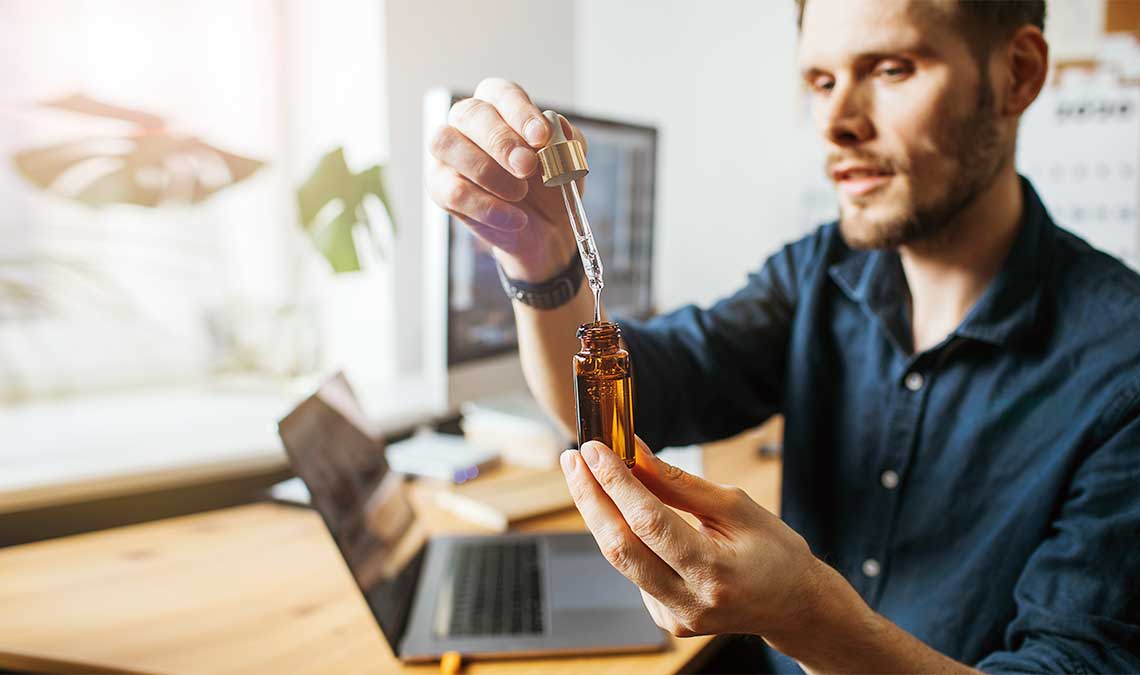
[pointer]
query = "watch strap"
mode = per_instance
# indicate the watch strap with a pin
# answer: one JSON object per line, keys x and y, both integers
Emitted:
{"x": 549, "y": 294}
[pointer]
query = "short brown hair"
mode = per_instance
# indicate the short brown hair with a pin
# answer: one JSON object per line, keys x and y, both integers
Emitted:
{"x": 985, "y": 22}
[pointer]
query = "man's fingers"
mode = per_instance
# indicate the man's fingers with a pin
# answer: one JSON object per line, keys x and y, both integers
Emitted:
{"x": 480, "y": 121}
{"x": 516, "y": 108}
{"x": 664, "y": 617}
{"x": 656, "y": 609}
{"x": 621, "y": 547}
{"x": 504, "y": 239}
{"x": 458, "y": 194}
{"x": 683, "y": 490}
{"x": 662, "y": 529}
{"x": 574, "y": 133}
{"x": 452, "y": 148}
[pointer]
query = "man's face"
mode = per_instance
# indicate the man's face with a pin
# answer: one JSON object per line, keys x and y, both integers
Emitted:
{"x": 908, "y": 118}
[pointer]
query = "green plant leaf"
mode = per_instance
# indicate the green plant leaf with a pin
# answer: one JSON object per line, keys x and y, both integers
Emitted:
{"x": 331, "y": 202}
{"x": 334, "y": 241}
{"x": 148, "y": 165}
{"x": 85, "y": 105}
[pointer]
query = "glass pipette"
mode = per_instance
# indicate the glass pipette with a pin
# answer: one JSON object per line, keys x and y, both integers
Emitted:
{"x": 563, "y": 162}
{"x": 587, "y": 247}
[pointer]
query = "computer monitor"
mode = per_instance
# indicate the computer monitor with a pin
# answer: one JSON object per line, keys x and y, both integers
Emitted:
{"x": 471, "y": 331}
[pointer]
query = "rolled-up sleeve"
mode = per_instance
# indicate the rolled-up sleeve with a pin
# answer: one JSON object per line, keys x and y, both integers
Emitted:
{"x": 1078, "y": 599}
{"x": 704, "y": 374}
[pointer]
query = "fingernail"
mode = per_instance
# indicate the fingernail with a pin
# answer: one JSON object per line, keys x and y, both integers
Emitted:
{"x": 590, "y": 452}
{"x": 568, "y": 464}
{"x": 507, "y": 219}
{"x": 535, "y": 131}
{"x": 523, "y": 161}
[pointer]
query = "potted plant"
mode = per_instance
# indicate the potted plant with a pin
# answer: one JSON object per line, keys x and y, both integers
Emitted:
{"x": 347, "y": 217}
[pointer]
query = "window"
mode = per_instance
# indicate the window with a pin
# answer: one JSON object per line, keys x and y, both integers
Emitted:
{"x": 93, "y": 297}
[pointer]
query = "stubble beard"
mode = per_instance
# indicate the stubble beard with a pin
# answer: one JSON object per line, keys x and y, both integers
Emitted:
{"x": 979, "y": 155}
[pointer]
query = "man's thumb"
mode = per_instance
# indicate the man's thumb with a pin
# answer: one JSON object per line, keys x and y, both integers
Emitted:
{"x": 678, "y": 488}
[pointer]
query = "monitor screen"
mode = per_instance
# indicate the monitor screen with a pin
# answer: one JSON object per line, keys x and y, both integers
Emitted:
{"x": 364, "y": 505}
{"x": 619, "y": 204}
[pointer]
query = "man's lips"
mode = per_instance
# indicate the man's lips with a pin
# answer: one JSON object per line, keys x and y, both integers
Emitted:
{"x": 860, "y": 179}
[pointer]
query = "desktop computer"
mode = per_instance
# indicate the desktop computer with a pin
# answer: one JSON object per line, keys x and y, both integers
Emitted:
{"x": 471, "y": 343}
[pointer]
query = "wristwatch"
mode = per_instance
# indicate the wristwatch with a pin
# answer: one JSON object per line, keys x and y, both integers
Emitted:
{"x": 554, "y": 292}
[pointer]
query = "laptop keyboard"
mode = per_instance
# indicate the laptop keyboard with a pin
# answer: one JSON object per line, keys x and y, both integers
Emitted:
{"x": 497, "y": 589}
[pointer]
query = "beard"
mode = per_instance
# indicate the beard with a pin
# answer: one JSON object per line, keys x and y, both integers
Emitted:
{"x": 974, "y": 143}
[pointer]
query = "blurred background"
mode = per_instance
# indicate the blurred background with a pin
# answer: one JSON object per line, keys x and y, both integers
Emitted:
{"x": 209, "y": 206}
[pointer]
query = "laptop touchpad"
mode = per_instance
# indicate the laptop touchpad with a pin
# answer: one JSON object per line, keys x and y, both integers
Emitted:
{"x": 581, "y": 578}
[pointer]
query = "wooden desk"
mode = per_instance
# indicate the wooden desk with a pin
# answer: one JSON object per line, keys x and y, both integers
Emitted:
{"x": 257, "y": 589}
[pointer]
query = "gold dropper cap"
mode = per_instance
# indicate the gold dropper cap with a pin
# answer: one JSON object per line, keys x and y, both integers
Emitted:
{"x": 562, "y": 160}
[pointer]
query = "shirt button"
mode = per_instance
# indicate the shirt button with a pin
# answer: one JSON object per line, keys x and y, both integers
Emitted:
{"x": 914, "y": 381}
{"x": 889, "y": 479}
{"x": 871, "y": 567}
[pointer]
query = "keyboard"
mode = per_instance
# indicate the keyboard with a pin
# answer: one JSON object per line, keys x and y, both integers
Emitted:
{"x": 496, "y": 589}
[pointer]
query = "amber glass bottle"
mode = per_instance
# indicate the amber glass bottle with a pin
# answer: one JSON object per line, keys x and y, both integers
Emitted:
{"x": 603, "y": 387}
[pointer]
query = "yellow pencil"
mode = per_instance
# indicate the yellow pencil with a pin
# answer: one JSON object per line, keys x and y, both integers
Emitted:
{"x": 449, "y": 664}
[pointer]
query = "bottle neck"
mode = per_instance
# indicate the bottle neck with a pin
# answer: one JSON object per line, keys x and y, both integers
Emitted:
{"x": 602, "y": 337}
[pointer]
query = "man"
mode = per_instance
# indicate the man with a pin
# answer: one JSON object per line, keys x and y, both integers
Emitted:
{"x": 960, "y": 378}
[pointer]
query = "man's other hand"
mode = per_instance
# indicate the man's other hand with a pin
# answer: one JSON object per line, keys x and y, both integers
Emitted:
{"x": 741, "y": 570}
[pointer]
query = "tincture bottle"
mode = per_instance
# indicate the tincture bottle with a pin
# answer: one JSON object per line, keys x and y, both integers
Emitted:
{"x": 603, "y": 388}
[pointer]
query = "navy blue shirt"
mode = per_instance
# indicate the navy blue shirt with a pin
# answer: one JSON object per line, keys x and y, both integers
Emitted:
{"x": 984, "y": 494}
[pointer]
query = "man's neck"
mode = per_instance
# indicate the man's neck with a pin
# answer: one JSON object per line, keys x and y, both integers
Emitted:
{"x": 947, "y": 275}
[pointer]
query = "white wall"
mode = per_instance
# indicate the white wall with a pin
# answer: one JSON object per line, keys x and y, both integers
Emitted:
{"x": 740, "y": 167}
{"x": 719, "y": 80}
{"x": 456, "y": 43}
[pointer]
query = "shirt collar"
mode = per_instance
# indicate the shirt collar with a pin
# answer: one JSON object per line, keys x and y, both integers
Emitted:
{"x": 1006, "y": 312}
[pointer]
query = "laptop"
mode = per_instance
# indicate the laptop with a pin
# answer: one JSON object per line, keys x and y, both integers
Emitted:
{"x": 482, "y": 596}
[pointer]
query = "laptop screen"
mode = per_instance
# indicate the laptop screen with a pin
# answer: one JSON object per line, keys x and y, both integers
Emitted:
{"x": 364, "y": 505}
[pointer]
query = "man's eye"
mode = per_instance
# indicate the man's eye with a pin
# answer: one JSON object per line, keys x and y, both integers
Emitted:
{"x": 893, "y": 71}
{"x": 822, "y": 84}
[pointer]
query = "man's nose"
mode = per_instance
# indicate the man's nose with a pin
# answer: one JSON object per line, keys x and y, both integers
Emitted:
{"x": 847, "y": 119}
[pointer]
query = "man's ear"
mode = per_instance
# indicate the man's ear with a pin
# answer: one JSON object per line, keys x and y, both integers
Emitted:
{"x": 1027, "y": 63}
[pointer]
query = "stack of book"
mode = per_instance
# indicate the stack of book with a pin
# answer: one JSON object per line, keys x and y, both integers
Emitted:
{"x": 515, "y": 427}
{"x": 506, "y": 496}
